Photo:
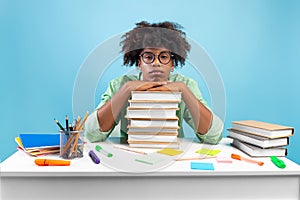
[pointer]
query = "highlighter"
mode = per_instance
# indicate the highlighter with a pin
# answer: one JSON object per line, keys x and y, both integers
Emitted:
{"x": 101, "y": 150}
{"x": 94, "y": 157}
{"x": 279, "y": 163}
{"x": 50, "y": 162}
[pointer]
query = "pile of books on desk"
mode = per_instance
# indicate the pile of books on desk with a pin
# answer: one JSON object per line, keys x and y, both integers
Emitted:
{"x": 38, "y": 144}
{"x": 260, "y": 139}
{"x": 153, "y": 122}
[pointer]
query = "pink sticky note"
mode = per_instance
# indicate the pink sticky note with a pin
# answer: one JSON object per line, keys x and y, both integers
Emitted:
{"x": 221, "y": 159}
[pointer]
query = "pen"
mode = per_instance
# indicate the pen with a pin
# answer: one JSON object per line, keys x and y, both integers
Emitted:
{"x": 60, "y": 126}
{"x": 238, "y": 157}
{"x": 67, "y": 123}
{"x": 101, "y": 150}
{"x": 94, "y": 157}
{"x": 279, "y": 163}
{"x": 50, "y": 162}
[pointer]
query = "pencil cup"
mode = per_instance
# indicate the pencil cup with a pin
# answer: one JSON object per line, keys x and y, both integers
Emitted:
{"x": 71, "y": 144}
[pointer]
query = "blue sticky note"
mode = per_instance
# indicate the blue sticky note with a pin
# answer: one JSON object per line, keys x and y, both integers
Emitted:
{"x": 202, "y": 166}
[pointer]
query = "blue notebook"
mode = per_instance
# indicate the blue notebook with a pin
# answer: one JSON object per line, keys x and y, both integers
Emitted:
{"x": 34, "y": 140}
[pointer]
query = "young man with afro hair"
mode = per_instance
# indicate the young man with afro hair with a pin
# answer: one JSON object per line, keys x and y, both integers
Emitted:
{"x": 156, "y": 49}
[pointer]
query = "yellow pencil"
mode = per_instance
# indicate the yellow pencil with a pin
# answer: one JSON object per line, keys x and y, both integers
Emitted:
{"x": 83, "y": 121}
{"x": 69, "y": 142}
{"x": 77, "y": 122}
{"x": 74, "y": 147}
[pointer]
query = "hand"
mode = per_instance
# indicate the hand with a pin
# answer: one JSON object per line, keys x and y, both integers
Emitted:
{"x": 169, "y": 86}
{"x": 142, "y": 85}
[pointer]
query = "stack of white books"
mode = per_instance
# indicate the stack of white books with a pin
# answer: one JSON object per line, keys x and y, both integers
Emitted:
{"x": 260, "y": 139}
{"x": 153, "y": 122}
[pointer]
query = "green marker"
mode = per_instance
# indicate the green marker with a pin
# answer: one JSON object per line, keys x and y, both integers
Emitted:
{"x": 101, "y": 150}
{"x": 279, "y": 163}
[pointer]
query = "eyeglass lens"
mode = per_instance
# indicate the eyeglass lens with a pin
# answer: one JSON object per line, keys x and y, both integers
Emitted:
{"x": 163, "y": 57}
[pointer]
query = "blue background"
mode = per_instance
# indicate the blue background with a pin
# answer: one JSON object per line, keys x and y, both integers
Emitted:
{"x": 255, "y": 45}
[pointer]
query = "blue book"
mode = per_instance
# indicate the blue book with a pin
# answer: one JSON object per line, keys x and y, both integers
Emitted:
{"x": 35, "y": 140}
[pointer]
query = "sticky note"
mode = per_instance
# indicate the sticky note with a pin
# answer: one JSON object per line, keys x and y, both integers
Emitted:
{"x": 202, "y": 166}
{"x": 206, "y": 151}
{"x": 221, "y": 159}
{"x": 170, "y": 152}
{"x": 150, "y": 159}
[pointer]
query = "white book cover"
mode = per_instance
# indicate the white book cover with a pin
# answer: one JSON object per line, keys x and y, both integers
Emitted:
{"x": 153, "y": 138}
{"x": 260, "y": 141}
{"x": 153, "y": 129}
{"x": 263, "y": 128}
{"x": 153, "y": 133}
{"x": 254, "y": 151}
{"x": 151, "y": 113}
{"x": 153, "y": 103}
{"x": 155, "y": 95}
{"x": 154, "y": 123}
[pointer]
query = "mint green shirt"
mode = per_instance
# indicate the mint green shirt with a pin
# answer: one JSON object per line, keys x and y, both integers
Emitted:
{"x": 92, "y": 129}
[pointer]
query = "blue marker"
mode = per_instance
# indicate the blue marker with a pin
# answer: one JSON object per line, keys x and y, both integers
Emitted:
{"x": 94, "y": 157}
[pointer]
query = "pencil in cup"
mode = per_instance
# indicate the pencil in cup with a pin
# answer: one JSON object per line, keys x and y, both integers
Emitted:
{"x": 80, "y": 126}
{"x": 71, "y": 144}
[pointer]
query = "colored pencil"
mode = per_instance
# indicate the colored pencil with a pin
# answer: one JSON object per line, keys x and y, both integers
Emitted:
{"x": 83, "y": 122}
{"x": 127, "y": 149}
{"x": 59, "y": 125}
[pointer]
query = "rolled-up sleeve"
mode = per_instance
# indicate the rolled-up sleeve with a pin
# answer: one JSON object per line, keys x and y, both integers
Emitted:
{"x": 92, "y": 129}
{"x": 214, "y": 134}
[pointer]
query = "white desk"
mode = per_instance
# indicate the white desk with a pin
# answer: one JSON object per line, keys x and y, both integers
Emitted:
{"x": 22, "y": 179}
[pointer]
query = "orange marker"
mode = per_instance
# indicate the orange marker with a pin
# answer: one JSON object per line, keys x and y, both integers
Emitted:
{"x": 50, "y": 162}
{"x": 238, "y": 157}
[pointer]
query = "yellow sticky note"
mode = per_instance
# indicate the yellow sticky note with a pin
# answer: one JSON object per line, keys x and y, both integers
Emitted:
{"x": 206, "y": 151}
{"x": 170, "y": 152}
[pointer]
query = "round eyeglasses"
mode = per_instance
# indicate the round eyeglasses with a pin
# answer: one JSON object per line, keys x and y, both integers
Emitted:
{"x": 164, "y": 57}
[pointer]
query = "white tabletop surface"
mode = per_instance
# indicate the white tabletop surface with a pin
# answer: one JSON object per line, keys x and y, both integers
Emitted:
{"x": 123, "y": 163}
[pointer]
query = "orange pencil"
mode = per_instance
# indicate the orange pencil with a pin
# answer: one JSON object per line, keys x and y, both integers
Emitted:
{"x": 238, "y": 157}
{"x": 50, "y": 162}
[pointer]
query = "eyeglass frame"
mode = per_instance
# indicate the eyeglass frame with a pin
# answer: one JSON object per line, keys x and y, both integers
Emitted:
{"x": 158, "y": 57}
